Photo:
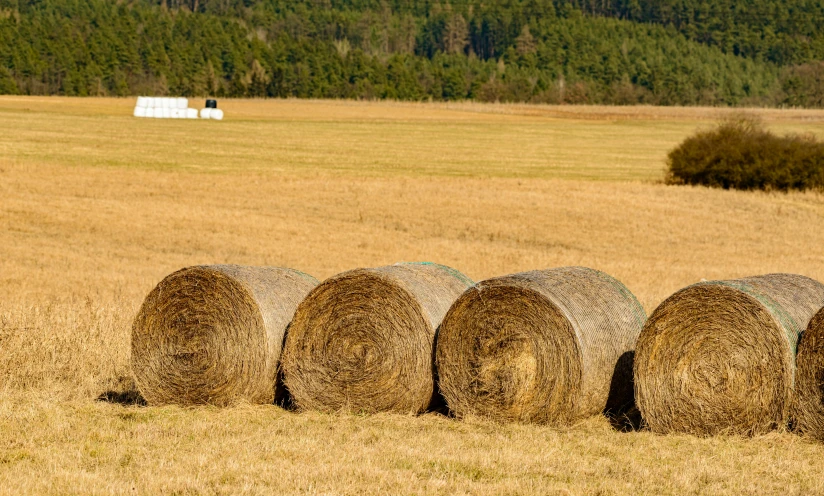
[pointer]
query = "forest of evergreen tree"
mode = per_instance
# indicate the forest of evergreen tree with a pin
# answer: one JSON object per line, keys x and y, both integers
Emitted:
{"x": 664, "y": 52}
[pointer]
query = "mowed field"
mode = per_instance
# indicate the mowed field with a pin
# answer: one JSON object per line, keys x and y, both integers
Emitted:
{"x": 96, "y": 207}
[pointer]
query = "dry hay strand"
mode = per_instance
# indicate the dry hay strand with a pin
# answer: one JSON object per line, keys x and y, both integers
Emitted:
{"x": 808, "y": 407}
{"x": 550, "y": 346}
{"x": 718, "y": 357}
{"x": 362, "y": 341}
{"x": 213, "y": 334}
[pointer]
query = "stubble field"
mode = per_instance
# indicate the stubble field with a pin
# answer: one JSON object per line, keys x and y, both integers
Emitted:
{"x": 97, "y": 206}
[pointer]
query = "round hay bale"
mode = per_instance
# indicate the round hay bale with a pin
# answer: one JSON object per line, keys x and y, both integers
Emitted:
{"x": 719, "y": 356}
{"x": 549, "y": 346}
{"x": 808, "y": 411}
{"x": 205, "y": 113}
{"x": 216, "y": 114}
{"x": 362, "y": 341}
{"x": 213, "y": 334}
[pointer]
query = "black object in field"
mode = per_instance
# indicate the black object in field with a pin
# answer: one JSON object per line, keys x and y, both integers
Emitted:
{"x": 211, "y": 103}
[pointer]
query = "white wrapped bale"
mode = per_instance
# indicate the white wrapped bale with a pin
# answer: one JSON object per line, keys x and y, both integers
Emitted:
{"x": 175, "y": 112}
{"x": 150, "y": 112}
{"x": 191, "y": 113}
{"x": 157, "y": 102}
{"x": 142, "y": 102}
{"x": 140, "y": 112}
{"x": 166, "y": 102}
{"x": 182, "y": 103}
{"x": 204, "y": 113}
{"x": 216, "y": 114}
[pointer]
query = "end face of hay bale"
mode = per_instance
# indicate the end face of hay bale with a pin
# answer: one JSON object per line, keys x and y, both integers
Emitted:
{"x": 362, "y": 341}
{"x": 541, "y": 346}
{"x": 808, "y": 411}
{"x": 213, "y": 334}
{"x": 719, "y": 356}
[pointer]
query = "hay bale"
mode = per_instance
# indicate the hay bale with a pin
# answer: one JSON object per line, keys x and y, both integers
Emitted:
{"x": 362, "y": 341}
{"x": 549, "y": 346}
{"x": 213, "y": 334}
{"x": 808, "y": 411}
{"x": 719, "y": 356}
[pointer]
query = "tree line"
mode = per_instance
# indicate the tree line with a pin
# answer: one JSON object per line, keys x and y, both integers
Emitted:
{"x": 552, "y": 51}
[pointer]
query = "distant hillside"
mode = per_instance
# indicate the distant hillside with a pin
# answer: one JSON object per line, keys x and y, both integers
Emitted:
{"x": 557, "y": 51}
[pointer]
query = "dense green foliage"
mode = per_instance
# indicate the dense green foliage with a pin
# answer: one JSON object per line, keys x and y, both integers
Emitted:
{"x": 495, "y": 50}
{"x": 781, "y": 31}
{"x": 741, "y": 154}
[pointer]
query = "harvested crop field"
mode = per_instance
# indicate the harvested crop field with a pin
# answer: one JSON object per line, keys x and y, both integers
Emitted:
{"x": 97, "y": 207}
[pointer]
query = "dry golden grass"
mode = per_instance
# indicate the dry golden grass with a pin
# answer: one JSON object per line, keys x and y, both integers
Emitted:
{"x": 96, "y": 207}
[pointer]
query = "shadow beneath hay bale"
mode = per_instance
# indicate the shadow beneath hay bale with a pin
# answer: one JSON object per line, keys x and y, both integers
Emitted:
{"x": 122, "y": 391}
{"x": 283, "y": 398}
{"x": 438, "y": 404}
{"x": 621, "y": 410}
{"x": 125, "y": 398}
{"x": 628, "y": 421}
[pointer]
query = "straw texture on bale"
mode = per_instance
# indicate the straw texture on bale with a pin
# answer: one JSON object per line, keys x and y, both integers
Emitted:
{"x": 809, "y": 384}
{"x": 719, "y": 356}
{"x": 362, "y": 341}
{"x": 213, "y": 334}
{"x": 549, "y": 346}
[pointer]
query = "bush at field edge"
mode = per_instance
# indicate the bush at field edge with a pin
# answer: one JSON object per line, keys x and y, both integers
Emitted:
{"x": 741, "y": 154}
